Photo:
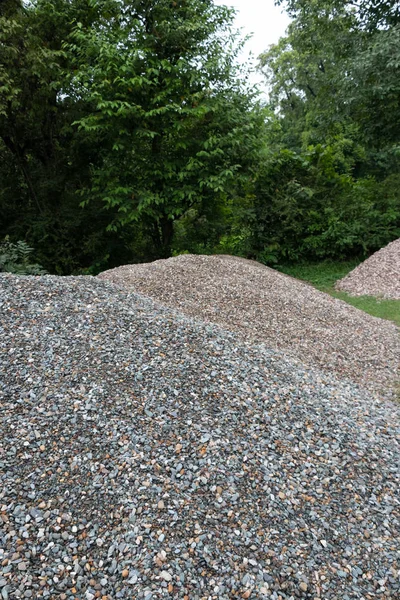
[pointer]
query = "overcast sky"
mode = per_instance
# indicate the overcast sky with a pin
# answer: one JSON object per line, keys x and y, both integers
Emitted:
{"x": 263, "y": 19}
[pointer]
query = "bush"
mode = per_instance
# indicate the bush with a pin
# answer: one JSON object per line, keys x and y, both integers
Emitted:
{"x": 15, "y": 258}
{"x": 310, "y": 207}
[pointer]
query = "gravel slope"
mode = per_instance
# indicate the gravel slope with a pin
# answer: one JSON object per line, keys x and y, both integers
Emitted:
{"x": 379, "y": 275}
{"x": 145, "y": 455}
{"x": 267, "y": 306}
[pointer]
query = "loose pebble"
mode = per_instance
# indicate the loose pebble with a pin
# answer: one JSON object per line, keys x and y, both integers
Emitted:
{"x": 277, "y": 480}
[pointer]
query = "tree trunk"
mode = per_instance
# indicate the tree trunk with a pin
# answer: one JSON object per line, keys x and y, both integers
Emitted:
{"x": 167, "y": 233}
{"x": 21, "y": 161}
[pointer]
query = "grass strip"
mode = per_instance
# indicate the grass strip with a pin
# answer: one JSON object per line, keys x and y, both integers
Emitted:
{"x": 323, "y": 276}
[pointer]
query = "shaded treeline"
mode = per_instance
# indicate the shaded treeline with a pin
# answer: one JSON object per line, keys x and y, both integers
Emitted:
{"x": 128, "y": 133}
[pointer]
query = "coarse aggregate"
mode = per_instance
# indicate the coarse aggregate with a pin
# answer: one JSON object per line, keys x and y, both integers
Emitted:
{"x": 379, "y": 275}
{"x": 146, "y": 455}
{"x": 263, "y": 305}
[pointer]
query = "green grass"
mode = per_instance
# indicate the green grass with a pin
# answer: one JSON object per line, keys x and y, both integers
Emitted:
{"x": 324, "y": 275}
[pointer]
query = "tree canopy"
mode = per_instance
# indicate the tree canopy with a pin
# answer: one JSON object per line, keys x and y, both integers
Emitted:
{"x": 116, "y": 118}
{"x": 129, "y": 132}
{"x": 333, "y": 83}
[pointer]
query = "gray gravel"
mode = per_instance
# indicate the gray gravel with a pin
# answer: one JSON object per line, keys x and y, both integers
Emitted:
{"x": 144, "y": 455}
{"x": 379, "y": 275}
{"x": 280, "y": 311}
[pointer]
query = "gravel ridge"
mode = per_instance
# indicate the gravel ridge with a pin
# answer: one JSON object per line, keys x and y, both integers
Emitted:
{"x": 263, "y": 305}
{"x": 147, "y": 455}
{"x": 379, "y": 275}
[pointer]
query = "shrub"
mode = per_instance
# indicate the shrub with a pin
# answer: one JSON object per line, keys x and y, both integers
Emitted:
{"x": 310, "y": 207}
{"x": 16, "y": 258}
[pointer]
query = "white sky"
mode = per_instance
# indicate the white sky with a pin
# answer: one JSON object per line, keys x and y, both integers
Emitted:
{"x": 263, "y": 19}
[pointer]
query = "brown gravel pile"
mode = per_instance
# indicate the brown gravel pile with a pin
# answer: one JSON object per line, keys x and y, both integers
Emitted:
{"x": 268, "y": 307}
{"x": 379, "y": 275}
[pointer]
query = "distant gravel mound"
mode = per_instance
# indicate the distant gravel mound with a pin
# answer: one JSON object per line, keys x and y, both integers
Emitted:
{"x": 147, "y": 456}
{"x": 379, "y": 275}
{"x": 266, "y": 306}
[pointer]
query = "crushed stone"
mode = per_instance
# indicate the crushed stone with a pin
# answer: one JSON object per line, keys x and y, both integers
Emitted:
{"x": 266, "y": 306}
{"x": 147, "y": 455}
{"x": 379, "y": 275}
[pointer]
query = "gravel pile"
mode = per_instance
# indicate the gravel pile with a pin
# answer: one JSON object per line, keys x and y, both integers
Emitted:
{"x": 144, "y": 455}
{"x": 266, "y": 306}
{"x": 379, "y": 275}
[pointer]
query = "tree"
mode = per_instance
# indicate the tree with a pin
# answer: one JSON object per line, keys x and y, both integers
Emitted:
{"x": 328, "y": 186}
{"x": 44, "y": 160}
{"x": 175, "y": 125}
{"x": 116, "y": 118}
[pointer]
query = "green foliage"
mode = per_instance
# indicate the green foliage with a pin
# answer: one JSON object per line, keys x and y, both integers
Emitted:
{"x": 117, "y": 118}
{"x": 338, "y": 67}
{"x": 175, "y": 126}
{"x": 43, "y": 159}
{"x": 16, "y": 258}
{"x": 374, "y": 101}
{"x": 329, "y": 187}
{"x": 309, "y": 206}
{"x": 128, "y": 133}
